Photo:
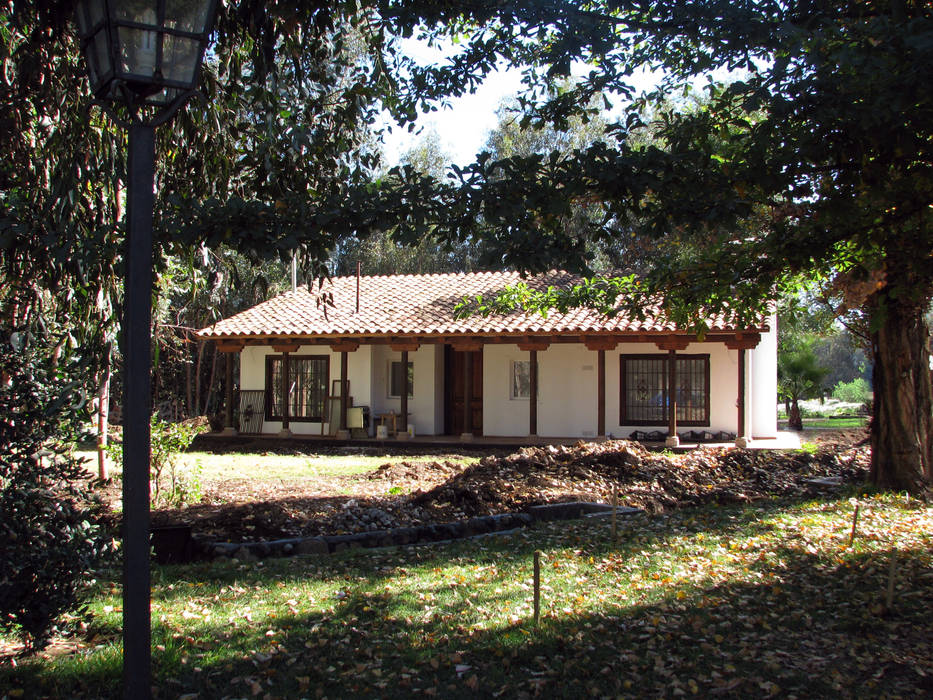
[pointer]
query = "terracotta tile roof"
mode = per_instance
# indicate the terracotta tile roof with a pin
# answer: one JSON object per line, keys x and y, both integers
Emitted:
{"x": 423, "y": 305}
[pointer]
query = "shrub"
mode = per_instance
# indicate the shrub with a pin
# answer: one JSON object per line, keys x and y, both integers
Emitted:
{"x": 856, "y": 391}
{"x": 169, "y": 483}
{"x": 51, "y": 533}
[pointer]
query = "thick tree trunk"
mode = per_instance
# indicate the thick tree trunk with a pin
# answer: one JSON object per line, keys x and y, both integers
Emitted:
{"x": 902, "y": 425}
{"x": 794, "y": 422}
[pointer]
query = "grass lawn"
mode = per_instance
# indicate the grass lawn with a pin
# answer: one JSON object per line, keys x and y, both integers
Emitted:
{"x": 835, "y": 423}
{"x": 754, "y": 601}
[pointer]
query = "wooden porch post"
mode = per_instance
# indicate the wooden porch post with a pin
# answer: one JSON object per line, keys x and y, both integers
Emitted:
{"x": 467, "y": 433}
{"x": 672, "y": 439}
{"x": 403, "y": 403}
{"x": 741, "y": 342}
{"x": 601, "y": 393}
{"x": 285, "y": 432}
{"x": 229, "y": 350}
{"x": 342, "y": 432}
{"x": 229, "y": 429}
{"x": 533, "y": 346}
{"x": 533, "y": 393}
{"x": 672, "y": 344}
{"x": 404, "y": 347}
{"x": 600, "y": 345}
{"x": 741, "y": 437}
{"x": 344, "y": 347}
{"x": 285, "y": 348}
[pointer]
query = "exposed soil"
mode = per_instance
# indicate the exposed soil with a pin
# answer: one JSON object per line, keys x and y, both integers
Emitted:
{"x": 411, "y": 491}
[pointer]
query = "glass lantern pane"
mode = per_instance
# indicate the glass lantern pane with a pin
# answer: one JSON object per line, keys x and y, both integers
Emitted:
{"x": 142, "y": 11}
{"x": 187, "y": 15}
{"x": 163, "y": 96}
{"x": 138, "y": 51}
{"x": 97, "y": 11}
{"x": 99, "y": 54}
{"x": 180, "y": 58}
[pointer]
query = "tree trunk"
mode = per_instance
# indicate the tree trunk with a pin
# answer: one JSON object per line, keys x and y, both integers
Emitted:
{"x": 902, "y": 426}
{"x": 197, "y": 380}
{"x": 210, "y": 384}
{"x": 103, "y": 413}
{"x": 794, "y": 422}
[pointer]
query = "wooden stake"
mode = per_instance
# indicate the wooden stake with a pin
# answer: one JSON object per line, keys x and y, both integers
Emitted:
{"x": 889, "y": 599}
{"x": 537, "y": 586}
{"x": 614, "y": 504}
{"x": 854, "y": 523}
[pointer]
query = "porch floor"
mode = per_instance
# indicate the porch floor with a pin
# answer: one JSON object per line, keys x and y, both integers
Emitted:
{"x": 785, "y": 440}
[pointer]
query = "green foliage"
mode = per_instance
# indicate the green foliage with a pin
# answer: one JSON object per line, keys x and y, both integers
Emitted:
{"x": 800, "y": 376}
{"x": 51, "y": 535}
{"x": 856, "y": 391}
{"x": 171, "y": 482}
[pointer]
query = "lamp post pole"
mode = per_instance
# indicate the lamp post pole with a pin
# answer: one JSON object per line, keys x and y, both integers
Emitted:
{"x": 136, "y": 437}
{"x": 144, "y": 55}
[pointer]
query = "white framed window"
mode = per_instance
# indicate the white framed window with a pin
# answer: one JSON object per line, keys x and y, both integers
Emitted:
{"x": 520, "y": 382}
{"x": 396, "y": 379}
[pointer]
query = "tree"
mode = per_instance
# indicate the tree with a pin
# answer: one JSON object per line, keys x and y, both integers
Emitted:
{"x": 800, "y": 376}
{"x": 816, "y": 165}
{"x": 51, "y": 532}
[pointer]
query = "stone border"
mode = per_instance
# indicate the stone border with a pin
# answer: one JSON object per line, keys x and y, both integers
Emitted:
{"x": 405, "y": 536}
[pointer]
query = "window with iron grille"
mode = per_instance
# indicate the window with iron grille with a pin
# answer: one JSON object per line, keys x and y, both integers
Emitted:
{"x": 307, "y": 387}
{"x": 644, "y": 389}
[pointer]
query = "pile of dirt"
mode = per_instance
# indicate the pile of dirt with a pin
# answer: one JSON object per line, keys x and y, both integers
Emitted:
{"x": 650, "y": 480}
{"x": 410, "y": 493}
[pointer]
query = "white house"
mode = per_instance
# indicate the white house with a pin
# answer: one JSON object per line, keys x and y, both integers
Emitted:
{"x": 575, "y": 374}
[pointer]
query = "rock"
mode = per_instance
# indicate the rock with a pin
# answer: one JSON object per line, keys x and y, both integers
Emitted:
{"x": 245, "y": 554}
{"x": 312, "y": 545}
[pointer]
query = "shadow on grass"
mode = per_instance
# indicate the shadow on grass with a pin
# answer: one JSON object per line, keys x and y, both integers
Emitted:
{"x": 797, "y": 623}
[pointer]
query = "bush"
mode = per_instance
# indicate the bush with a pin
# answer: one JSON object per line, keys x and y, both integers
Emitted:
{"x": 856, "y": 391}
{"x": 169, "y": 484}
{"x": 51, "y": 534}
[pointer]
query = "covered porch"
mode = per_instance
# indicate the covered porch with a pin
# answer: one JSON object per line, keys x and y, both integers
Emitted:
{"x": 504, "y": 389}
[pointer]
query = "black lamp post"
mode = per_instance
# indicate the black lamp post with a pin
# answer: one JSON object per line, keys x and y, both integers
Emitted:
{"x": 145, "y": 56}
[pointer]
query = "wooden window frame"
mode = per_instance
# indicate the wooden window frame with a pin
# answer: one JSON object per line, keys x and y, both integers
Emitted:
{"x": 270, "y": 359}
{"x": 665, "y": 359}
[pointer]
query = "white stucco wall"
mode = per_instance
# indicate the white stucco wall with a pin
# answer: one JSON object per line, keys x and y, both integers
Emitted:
{"x": 762, "y": 384}
{"x": 567, "y": 391}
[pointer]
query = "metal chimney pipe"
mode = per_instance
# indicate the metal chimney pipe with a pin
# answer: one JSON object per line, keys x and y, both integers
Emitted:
{"x": 359, "y": 271}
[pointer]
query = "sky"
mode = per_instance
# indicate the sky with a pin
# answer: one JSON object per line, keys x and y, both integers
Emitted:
{"x": 464, "y": 125}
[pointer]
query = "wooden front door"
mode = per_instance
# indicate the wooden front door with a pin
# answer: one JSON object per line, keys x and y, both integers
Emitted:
{"x": 454, "y": 394}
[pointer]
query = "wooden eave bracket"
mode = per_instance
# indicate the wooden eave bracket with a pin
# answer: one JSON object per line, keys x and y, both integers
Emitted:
{"x": 404, "y": 345}
{"x": 532, "y": 344}
{"x": 345, "y": 346}
{"x": 285, "y": 347}
{"x": 597, "y": 343}
{"x": 673, "y": 342}
{"x": 230, "y": 345}
{"x": 743, "y": 341}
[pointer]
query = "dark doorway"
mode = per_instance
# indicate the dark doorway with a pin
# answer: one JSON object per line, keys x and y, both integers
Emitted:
{"x": 454, "y": 396}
